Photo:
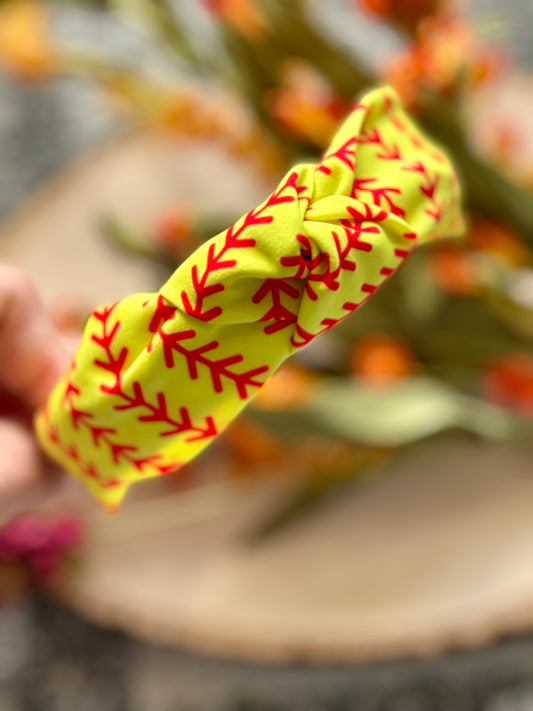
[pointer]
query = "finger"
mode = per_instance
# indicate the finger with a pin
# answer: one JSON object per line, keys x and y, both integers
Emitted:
{"x": 24, "y": 478}
{"x": 32, "y": 354}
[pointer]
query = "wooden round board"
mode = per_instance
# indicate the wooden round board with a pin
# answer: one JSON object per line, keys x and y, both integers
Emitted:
{"x": 435, "y": 553}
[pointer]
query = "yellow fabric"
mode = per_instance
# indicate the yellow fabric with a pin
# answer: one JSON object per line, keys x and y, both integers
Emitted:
{"x": 157, "y": 376}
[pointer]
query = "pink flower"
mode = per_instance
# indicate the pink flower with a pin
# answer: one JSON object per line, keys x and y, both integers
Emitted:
{"x": 39, "y": 543}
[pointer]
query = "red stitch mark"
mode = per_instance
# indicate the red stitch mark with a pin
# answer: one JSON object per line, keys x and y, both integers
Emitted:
{"x": 401, "y": 253}
{"x": 302, "y": 260}
{"x": 162, "y": 313}
{"x": 388, "y": 152}
{"x": 217, "y": 260}
{"x": 218, "y": 369}
{"x": 312, "y": 269}
{"x": 429, "y": 189}
{"x": 366, "y": 216}
{"x": 170, "y": 467}
{"x": 354, "y": 229}
{"x": 103, "y": 436}
{"x": 349, "y": 307}
{"x": 103, "y": 314}
{"x": 301, "y": 337}
{"x": 79, "y": 417}
{"x": 386, "y": 271}
{"x": 378, "y": 194}
{"x": 159, "y": 413}
{"x": 113, "y": 364}
{"x": 435, "y": 212}
{"x": 142, "y": 463}
{"x": 71, "y": 452}
{"x": 278, "y": 314}
{"x": 100, "y": 435}
{"x": 70, "y": 390}
{"x": 170, "y": 344}
{"x": 345, "y": 153}
{"x": 120, "y": 452}
{"x": 292, "y": 182}
{"x": 89, "y": 468}
{"x": 389, "y": 106}
{"x": 318, "y": 268}
{"x": 343, "y": 252}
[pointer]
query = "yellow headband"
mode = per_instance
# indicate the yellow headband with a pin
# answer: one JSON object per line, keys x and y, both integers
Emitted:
{"x": 158, "y": 376}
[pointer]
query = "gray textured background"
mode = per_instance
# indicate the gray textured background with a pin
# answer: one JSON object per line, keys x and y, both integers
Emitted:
{"x": 50, "y": 660}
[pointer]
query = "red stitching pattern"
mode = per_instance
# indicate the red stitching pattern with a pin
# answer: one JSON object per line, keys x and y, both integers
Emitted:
{"x": 374, "y": 137}
{"x": 102, "y": 436}
{"x": 71, "y": 451}
{"x": 429, "y": 188}
{"x": 318, "y": 268}
{"x": 217, "y": 260}
{"x": 345, "y": 153}
{"x": 353, "y": 230}
{"x": 218, "y": 369}
{"x": 159, "y": 412}
{"x": 279, "y": 315}
{"x": 378, "y": 194}
{"x": 301, "y": 337}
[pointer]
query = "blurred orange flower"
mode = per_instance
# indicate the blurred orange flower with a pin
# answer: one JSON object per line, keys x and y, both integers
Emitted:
{"x": 508, "y": 381}
{"x": 26, "y": 48}
{"x": 444, "y": 52}
{"x": 189, "y": 111}
{"x": 172, "y": 230}
{"x": 289, "y": 387}
{"x": 381, "y": 359}
{"x": 244, "y": 16}
{"x": 159, "y": 107}
{"x": 453, "y": 270}
{"x": 251, "y": 446}
{"x": 306, "y": 105}
{"x": 499, "y": 241}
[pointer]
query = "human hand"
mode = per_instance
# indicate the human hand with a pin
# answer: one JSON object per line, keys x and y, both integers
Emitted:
{"x": 33, "y": 355}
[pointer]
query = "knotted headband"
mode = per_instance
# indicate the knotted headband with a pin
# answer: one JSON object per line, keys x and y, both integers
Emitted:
{"x": 158, "y": 376}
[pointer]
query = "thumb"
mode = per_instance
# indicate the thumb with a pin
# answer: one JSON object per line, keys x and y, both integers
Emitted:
{"x": 32, "y": 353}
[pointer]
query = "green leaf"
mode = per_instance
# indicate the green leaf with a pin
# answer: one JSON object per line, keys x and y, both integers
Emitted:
{"x": 314, "y": 490}
{"x": 413, "y": 409}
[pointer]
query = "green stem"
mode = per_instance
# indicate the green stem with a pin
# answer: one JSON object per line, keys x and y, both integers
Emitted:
{"x": 313, "y": 491}
{"x": 294, "y": 33}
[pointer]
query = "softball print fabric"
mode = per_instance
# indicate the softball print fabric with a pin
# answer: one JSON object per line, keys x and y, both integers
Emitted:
{"x": 158, "y": 376}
